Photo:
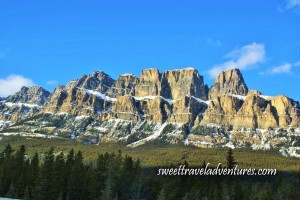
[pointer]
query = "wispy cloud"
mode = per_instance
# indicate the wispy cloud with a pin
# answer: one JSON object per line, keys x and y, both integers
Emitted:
{"x": 13, "y": 83}
{"x": 52, "y": 82}
{"x": 290, "y": 4}
{"x": 281, "y": 69}
{"x": 243, "y": 58}
{"x": 213, "y": 42}
{"x": 285, "y": 68}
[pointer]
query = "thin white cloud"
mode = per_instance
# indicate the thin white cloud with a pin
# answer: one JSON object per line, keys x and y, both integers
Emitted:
{"x": 282, "y": 69}
{"x": 243, "y": 58}
{"x": 213, "y": 42}
{"x": 290, "y": 4}
{"x": 13, "y": 83}
{"x": 52, "y": 82}
{"x": 285, "y": 68}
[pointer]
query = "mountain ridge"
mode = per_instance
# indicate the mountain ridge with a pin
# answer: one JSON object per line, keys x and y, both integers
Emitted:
{"x": 173, "y": 105}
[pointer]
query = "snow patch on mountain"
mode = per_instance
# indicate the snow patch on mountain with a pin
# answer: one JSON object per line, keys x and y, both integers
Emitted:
{"x": 155, "y": 135}
{"x": 10, "y": 104}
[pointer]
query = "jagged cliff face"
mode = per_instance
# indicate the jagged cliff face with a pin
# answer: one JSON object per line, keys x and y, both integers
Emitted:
{"x": 179, "y": 83}
{"x": 124, "y": 85}
{"x": 228, "y": 82}
{"x": 149, "y": 83}
{"x": 171, "y": 106}
{"x": 22, "y": 104}
{"x": 171, "y": 84}
{"x": 32, "y": 95}
{"x": 84, "y": 96}
{"x": 253, "y": 111}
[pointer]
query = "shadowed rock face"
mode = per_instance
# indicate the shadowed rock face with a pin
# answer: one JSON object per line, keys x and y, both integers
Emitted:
{"x": 228, "y": 82}
{"x": 179, "y": 83}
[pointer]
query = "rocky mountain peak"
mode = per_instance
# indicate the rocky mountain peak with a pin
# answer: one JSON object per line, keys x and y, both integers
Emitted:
{"x": 151, "y": 74}
{"x": 185, "y": 82}
{"x": 171, "y": 106}
{"x": 149, "y": 83}
{"x": 124, "y": 85}
{"x": 228, "y": 82}
{"x": 29, "y": 95}
{"x": 98, "y": 81}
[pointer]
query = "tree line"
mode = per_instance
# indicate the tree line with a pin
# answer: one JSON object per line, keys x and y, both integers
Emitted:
{"x": 67, "y": 176}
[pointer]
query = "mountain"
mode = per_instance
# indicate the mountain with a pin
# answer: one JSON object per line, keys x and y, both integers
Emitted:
{"x": 172, "y": 106}
{"x": 25, "y": 103}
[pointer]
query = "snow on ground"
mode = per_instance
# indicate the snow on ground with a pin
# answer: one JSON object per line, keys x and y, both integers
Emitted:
{"x": 62, "y": 113}
{"x": 80, "y": 117}
{"x": 263, "y": 146}
{"x": 170, "y": 102}
{"x": 200, "y": 100}
{"x": 266, "y": 97}
{"x": 230, "y": 145}
{"x": 212, "y": 125}
{"x": 291, "y": 151}
{"x": 98, "y": 94}
{"x": 26, "y": 134}
{"x": 9, "y": 104}
{"x": 127, "y": 74}
{"x": 155, "y": 135}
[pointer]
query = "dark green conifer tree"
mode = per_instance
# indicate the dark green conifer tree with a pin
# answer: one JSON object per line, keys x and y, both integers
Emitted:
{"x": 59, "y": 174}
{"x": 231, "y": 162}
{"x": 44, "y": 187}
{"x": 76, "y": 178}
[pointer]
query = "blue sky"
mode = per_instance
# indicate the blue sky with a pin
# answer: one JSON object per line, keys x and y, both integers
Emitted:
{"x": 48, "y": 43}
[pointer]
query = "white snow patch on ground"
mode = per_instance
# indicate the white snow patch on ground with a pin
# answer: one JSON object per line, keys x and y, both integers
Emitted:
{"x": 48, "y": 113}
{"x": 294, "y": 151}
{"x": 9, "y": 104}
{"x": 200, "y": 100}
{"x": 127, "y": 74}
{"x": 62, "y": 113}
{"x": 155, "y": 135}
{"x": 230, "y": 145}
{"x": 170, "y": 102}
{"x": 212, "y": 125}
{"x": 26, "y": 134}
{"x": 101, "y": 129}
{"x": 203, "y": 143}
{"x": 98, "y": 94}
{"x": 80, "y": 117}
{"x": 263, "y": 146}
{"x": 291, "y": 151}
{"x": 266, "y": 97}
